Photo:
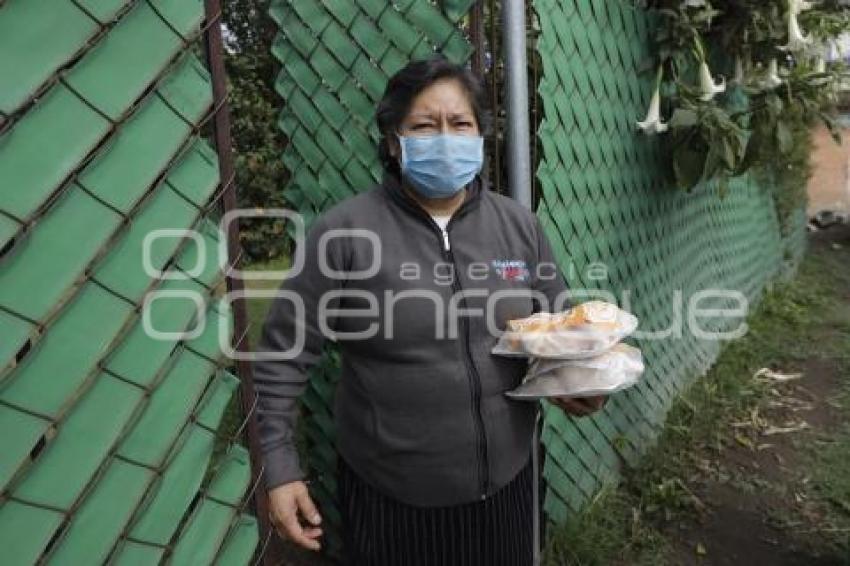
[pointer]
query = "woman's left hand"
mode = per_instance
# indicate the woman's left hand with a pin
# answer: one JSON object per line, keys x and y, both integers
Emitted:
{"x": 580, "y": 406}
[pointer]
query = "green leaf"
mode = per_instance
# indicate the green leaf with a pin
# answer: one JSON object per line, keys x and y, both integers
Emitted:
{"x": 688, "y": 166}
{"x": 784, "y": 138}
{"x": 683, "y": 118}
{"x": 723, "y": 186}
{"x": 774, "y": 105}
{"x": 728, "y": 154}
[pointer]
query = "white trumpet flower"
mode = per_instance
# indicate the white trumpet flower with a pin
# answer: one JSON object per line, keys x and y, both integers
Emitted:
{"x": 796, "y": 40}
{"x": 771, "y": 79}
{"x": 653, "y": 124}
{"x": 739, "y": 78}
{"x": 706, "y": 83}
{"x": 798, "y": 6}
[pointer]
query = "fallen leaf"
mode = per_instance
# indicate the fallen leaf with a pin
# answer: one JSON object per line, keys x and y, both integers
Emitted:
{"x": 786, "y": 429}
{"x": 776, "y": 376}
{"x": 701, "y": 549}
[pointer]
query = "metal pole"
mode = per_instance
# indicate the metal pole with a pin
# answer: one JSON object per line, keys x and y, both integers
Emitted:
{"x": 223, "y": 144}
{"x": 516, "y": 94}
{"x": 519, "y": 170}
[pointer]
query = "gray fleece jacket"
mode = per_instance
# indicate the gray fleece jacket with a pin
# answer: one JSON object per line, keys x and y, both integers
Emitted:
{"x": 420, "y": 410}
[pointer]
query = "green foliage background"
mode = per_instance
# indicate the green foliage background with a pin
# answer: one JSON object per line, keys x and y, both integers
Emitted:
{"x": 254, "y": 107}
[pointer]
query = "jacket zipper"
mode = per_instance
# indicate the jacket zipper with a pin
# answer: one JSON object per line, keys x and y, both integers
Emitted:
{"x": 472, "y": 371}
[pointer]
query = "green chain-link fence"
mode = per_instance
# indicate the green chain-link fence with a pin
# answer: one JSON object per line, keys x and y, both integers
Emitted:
{"x": 112, "y": 449}
{"x": 604, "y": 200}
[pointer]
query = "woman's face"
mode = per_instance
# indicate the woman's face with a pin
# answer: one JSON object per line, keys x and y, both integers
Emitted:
{"x": 443, "y": 107}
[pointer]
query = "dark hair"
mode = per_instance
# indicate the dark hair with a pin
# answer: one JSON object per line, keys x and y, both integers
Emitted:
{"x": 407, "y": 83}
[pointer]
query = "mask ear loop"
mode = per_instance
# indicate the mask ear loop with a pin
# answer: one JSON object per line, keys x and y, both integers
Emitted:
{"x": 401, "y": 152}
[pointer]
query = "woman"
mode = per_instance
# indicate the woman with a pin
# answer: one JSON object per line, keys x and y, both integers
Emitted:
{"x": 414, "y": 279}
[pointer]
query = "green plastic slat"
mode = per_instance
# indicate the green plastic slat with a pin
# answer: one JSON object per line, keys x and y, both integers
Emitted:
{"x": 457, "y": 49}
{"x": 167, "y": 410}
{"x": 184, "y": 15}
{"x": 374, "y": 8}
{"x": 44, "y": 147}
{"x": 216, "y": 401}
{"x": 201, "y": 261}
{"x": 233, "y": 477}
{"x": 136, "y": 554}
{"x": 45, "y": 264}
{"x": 26, "y": 530}
{"x": 38, "y": 37}
{"x": 195, "y": 175}
{"x": 312, "y": 14}
{"x": 8, "y": 229}
{"x": 22, "y": 431}
{"x": 455, "y": 9}
{"x": 125, "y": 169}
{"x": 123, "y": 270}
{"x": 132, "y": 54}
{"x": 16, "y": 332}
{"x": 70, "y": 348}
{"x": 140, "y": 354}
{"x": 217, "y": 333}
{"x": 72, "y": 457}
{"x": 297, "y": 33}
{"x": 427, "y": 18}
{"x": 201, "y": 539}
{"x": 103, "y": 10}
{"x": 368, "y": 37}
{"x": 188, "y": 89}
{"x": 161, "y": 515}
{"x": 97, "y": 525}
{"x": 209, "y": 524}
{"x": 239, "y": 547}
{"x": 334, "y": 36}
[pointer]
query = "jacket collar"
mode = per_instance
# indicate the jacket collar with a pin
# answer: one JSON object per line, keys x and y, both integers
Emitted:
{"x": 393, "y": 188}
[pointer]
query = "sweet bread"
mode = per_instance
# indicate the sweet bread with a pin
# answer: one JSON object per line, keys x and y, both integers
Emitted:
{"x": 585, "y": 330}
{"x": 596, "y": 314}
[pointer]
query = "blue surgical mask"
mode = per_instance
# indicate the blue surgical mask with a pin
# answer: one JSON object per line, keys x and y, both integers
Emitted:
{"x": 440, "y": 165}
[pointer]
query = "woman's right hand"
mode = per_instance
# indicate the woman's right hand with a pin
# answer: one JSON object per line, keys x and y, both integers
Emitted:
{"x": 285, "y": 503}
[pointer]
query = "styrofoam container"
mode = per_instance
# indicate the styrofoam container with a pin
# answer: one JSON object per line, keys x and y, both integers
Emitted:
{"x": 574, "y": 343}
{"x": 616, "y": 369}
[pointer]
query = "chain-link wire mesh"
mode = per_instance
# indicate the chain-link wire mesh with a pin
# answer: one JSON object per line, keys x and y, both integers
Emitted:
{"x": 115, "y": 386}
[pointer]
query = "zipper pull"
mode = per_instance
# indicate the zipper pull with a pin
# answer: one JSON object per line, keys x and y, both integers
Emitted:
{"x": 446, "y": 240}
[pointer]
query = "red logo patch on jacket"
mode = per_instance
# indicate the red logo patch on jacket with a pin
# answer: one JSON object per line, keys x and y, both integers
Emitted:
{"x": 511, "y": 269}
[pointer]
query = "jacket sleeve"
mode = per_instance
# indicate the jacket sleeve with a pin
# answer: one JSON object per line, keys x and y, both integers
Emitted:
{"x": 548, "y": 277}
{"x": 279, "y": 383}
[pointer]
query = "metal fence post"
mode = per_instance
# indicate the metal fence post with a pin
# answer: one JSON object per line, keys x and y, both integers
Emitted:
{"x": 223, "y": 144}
{"x": 516, "y": 94}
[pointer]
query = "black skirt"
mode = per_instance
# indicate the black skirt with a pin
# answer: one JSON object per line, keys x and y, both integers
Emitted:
{"x": 381, "y": 531}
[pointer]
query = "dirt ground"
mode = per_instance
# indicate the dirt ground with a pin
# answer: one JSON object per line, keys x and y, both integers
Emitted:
{"x": 759, "y": 506}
